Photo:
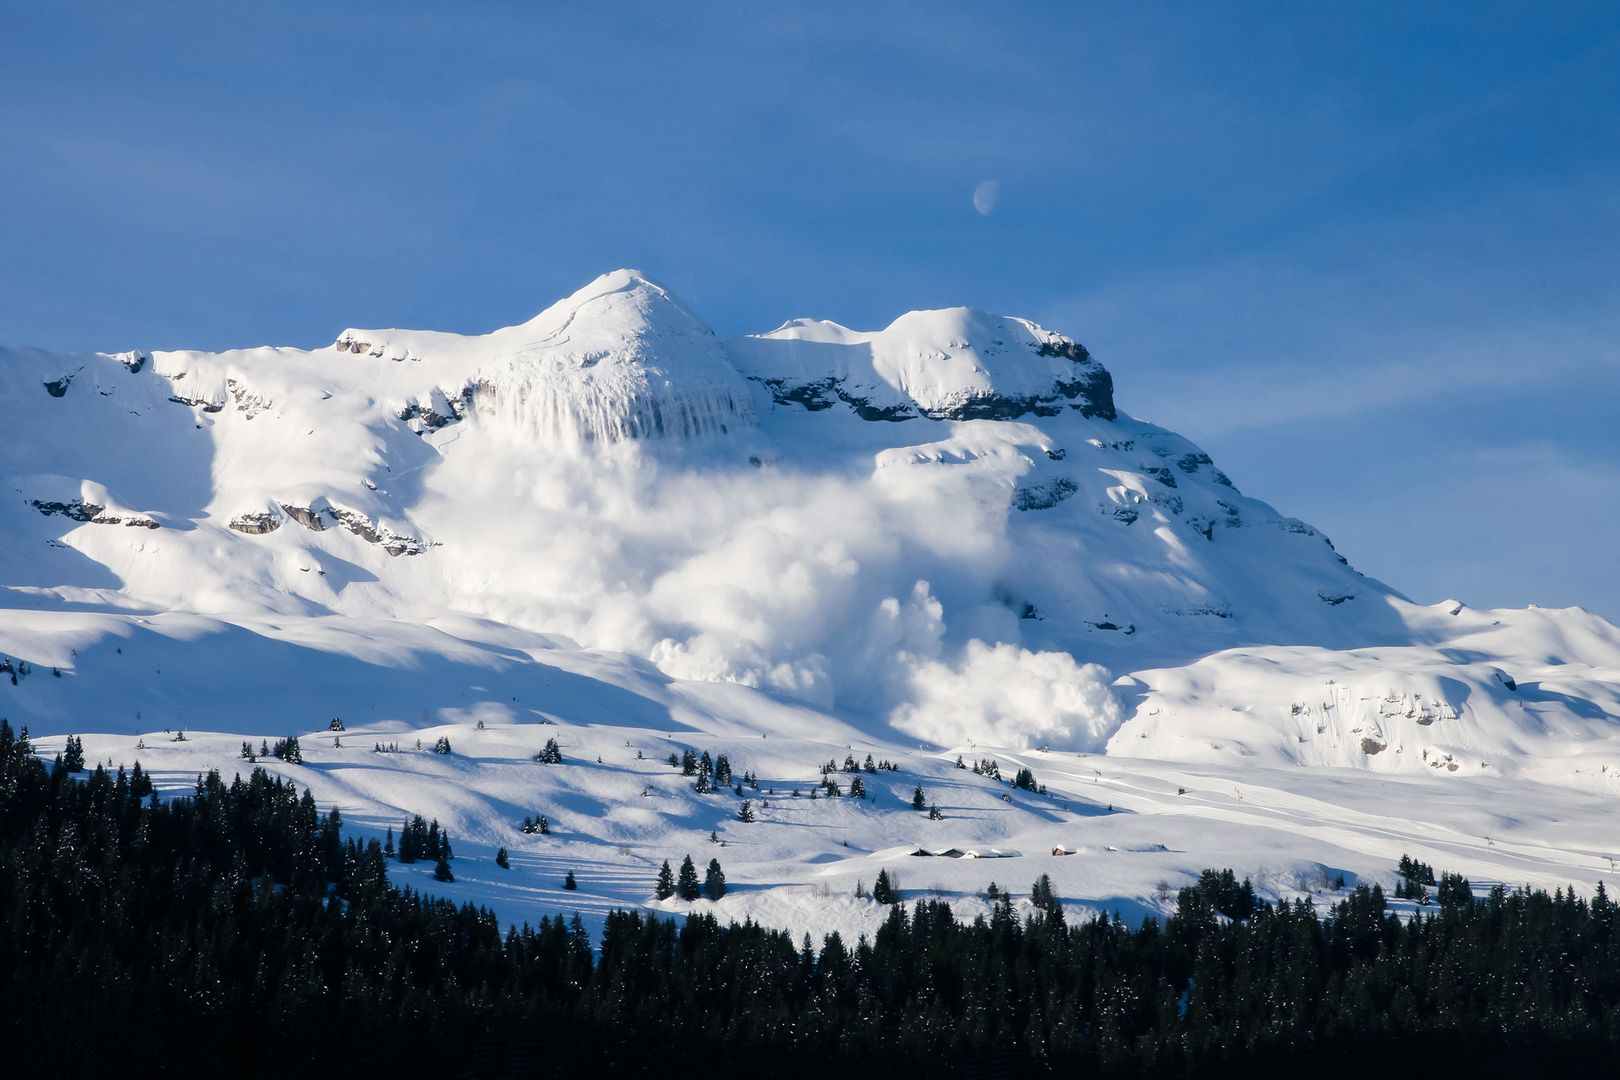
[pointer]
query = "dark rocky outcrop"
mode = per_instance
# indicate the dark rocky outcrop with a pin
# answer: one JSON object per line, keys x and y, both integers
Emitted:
{"x": 1044, "y": 496}
{"x": 1087, "y": 389}
{"x": 358, "y": 524}
{"x": 77, "y": 509}
{"x": 429, "y": 417}
{"x": 90, "y": 513}
{"x": 1189, "y": 463}
{"x": 1160, "y": 473}
{"x": 1092, "y": 388}
{"x": 256, "y": 524}
{"x": 314, "y": 520}
{"x": 825, "y": 393}
{"x": 207, "y": 405}
{"x": 247, "y": 401}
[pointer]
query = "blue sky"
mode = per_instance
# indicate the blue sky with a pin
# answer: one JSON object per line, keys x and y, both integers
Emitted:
{"x": 1369, "y": 259}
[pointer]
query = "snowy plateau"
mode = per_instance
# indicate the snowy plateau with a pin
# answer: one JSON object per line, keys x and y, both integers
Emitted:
{"x": 608, "y": 527}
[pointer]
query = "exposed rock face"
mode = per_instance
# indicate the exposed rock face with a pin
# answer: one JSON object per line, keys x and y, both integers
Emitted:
{"x": 394, "y": 543}
{"x": 954, "y": 364}
{"x": 440, "y": 409}
{"x": 309, "y": 519}
{"x": 58, "y": 387}
{"x": 249, "y": 403}
{"x": 77, "y": 509}
{"x": 1160, "y": 473}
{"x": 256, "y": 524}
{"x": 1044, "y": 496}
{"x": 208, "y": 406}
{"x": 90, "y": 513}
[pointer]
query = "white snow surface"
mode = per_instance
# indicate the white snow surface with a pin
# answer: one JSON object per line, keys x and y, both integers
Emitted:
{"x": 608, "y": 525}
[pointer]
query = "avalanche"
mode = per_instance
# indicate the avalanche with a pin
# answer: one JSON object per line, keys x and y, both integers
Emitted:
{"x": 609, "y": 520}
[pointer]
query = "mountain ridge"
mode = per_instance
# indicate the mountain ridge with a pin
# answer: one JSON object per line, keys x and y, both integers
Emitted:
{"x": 945, "y": 527}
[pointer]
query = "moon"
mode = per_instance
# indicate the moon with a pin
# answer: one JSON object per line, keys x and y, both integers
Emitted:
{"x": 984, "y": 197}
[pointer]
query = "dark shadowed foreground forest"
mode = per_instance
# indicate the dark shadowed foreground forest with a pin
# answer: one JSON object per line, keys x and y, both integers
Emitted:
{"x": 238, "y": 930}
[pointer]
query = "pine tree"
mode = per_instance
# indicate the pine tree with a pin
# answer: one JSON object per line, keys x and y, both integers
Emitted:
{"x": 441, "y": 872}
{"x": 722, "y": 771}
{"x": 689, "y": 763}
{"x": 1454, "y": 891}
{"x": 686, "y": 883}
{"x": 933, "y": 812}
{"x": 442, "y": 746}
{"x": 550, "y": 754}
{"x": 745, "y": 812}
{"x": 665, "y": 887}
{"x": 570, "y": 884}
{"x": 388, "y": 848}
{"x": 1045, "y": 899}
{"x": 543, "y": 826}
{"x": 882, "y": 891}
{"x": 714, "y": 881}
{"x": 73, "y": 756}
{"x": 857, "y": 789}
{"x": 501, "y": 860}
{"x": 918, "y": 800}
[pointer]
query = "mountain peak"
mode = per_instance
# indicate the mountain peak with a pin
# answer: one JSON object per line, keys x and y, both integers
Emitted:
{"x": 948, "y": 363}
{"x": 624, "y": 280}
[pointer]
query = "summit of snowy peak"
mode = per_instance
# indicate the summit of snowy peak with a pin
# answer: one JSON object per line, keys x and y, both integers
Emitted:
{"x": 949, "y": 363}
{"x": 618, "y": 359}
{"x": 625, "y": 296}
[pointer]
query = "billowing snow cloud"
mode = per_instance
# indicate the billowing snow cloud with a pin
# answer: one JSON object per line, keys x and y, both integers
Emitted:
{"x": 1004, "y": 695}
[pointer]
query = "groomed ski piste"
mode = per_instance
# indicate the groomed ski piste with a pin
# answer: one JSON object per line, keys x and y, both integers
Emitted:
{"x": 609, "y": 528}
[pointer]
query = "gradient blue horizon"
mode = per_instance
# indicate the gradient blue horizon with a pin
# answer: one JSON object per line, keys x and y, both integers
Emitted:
{"x": 1368, "y": 259}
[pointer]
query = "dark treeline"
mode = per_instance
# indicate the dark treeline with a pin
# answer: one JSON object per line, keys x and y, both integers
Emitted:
{"x": 236, "y": 927}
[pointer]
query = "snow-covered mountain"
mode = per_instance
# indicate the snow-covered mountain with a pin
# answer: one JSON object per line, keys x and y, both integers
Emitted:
{"x": 944, "y": 530}
{"x": 606, "y": 526}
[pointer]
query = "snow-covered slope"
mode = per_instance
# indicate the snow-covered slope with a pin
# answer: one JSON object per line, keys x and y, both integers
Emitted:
{"x": 946, "y": 528}
{"x": 945, "y": 533}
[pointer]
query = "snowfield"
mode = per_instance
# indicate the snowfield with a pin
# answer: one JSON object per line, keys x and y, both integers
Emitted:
{"x": 607, "y": 526}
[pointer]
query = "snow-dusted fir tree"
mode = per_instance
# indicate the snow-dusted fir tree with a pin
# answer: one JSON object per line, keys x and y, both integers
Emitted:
{"x": 686, "y": 882}
{"x": 714, "y": 881}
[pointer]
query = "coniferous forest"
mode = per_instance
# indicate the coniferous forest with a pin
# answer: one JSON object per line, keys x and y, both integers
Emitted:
{"x": 238, "y": 929}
